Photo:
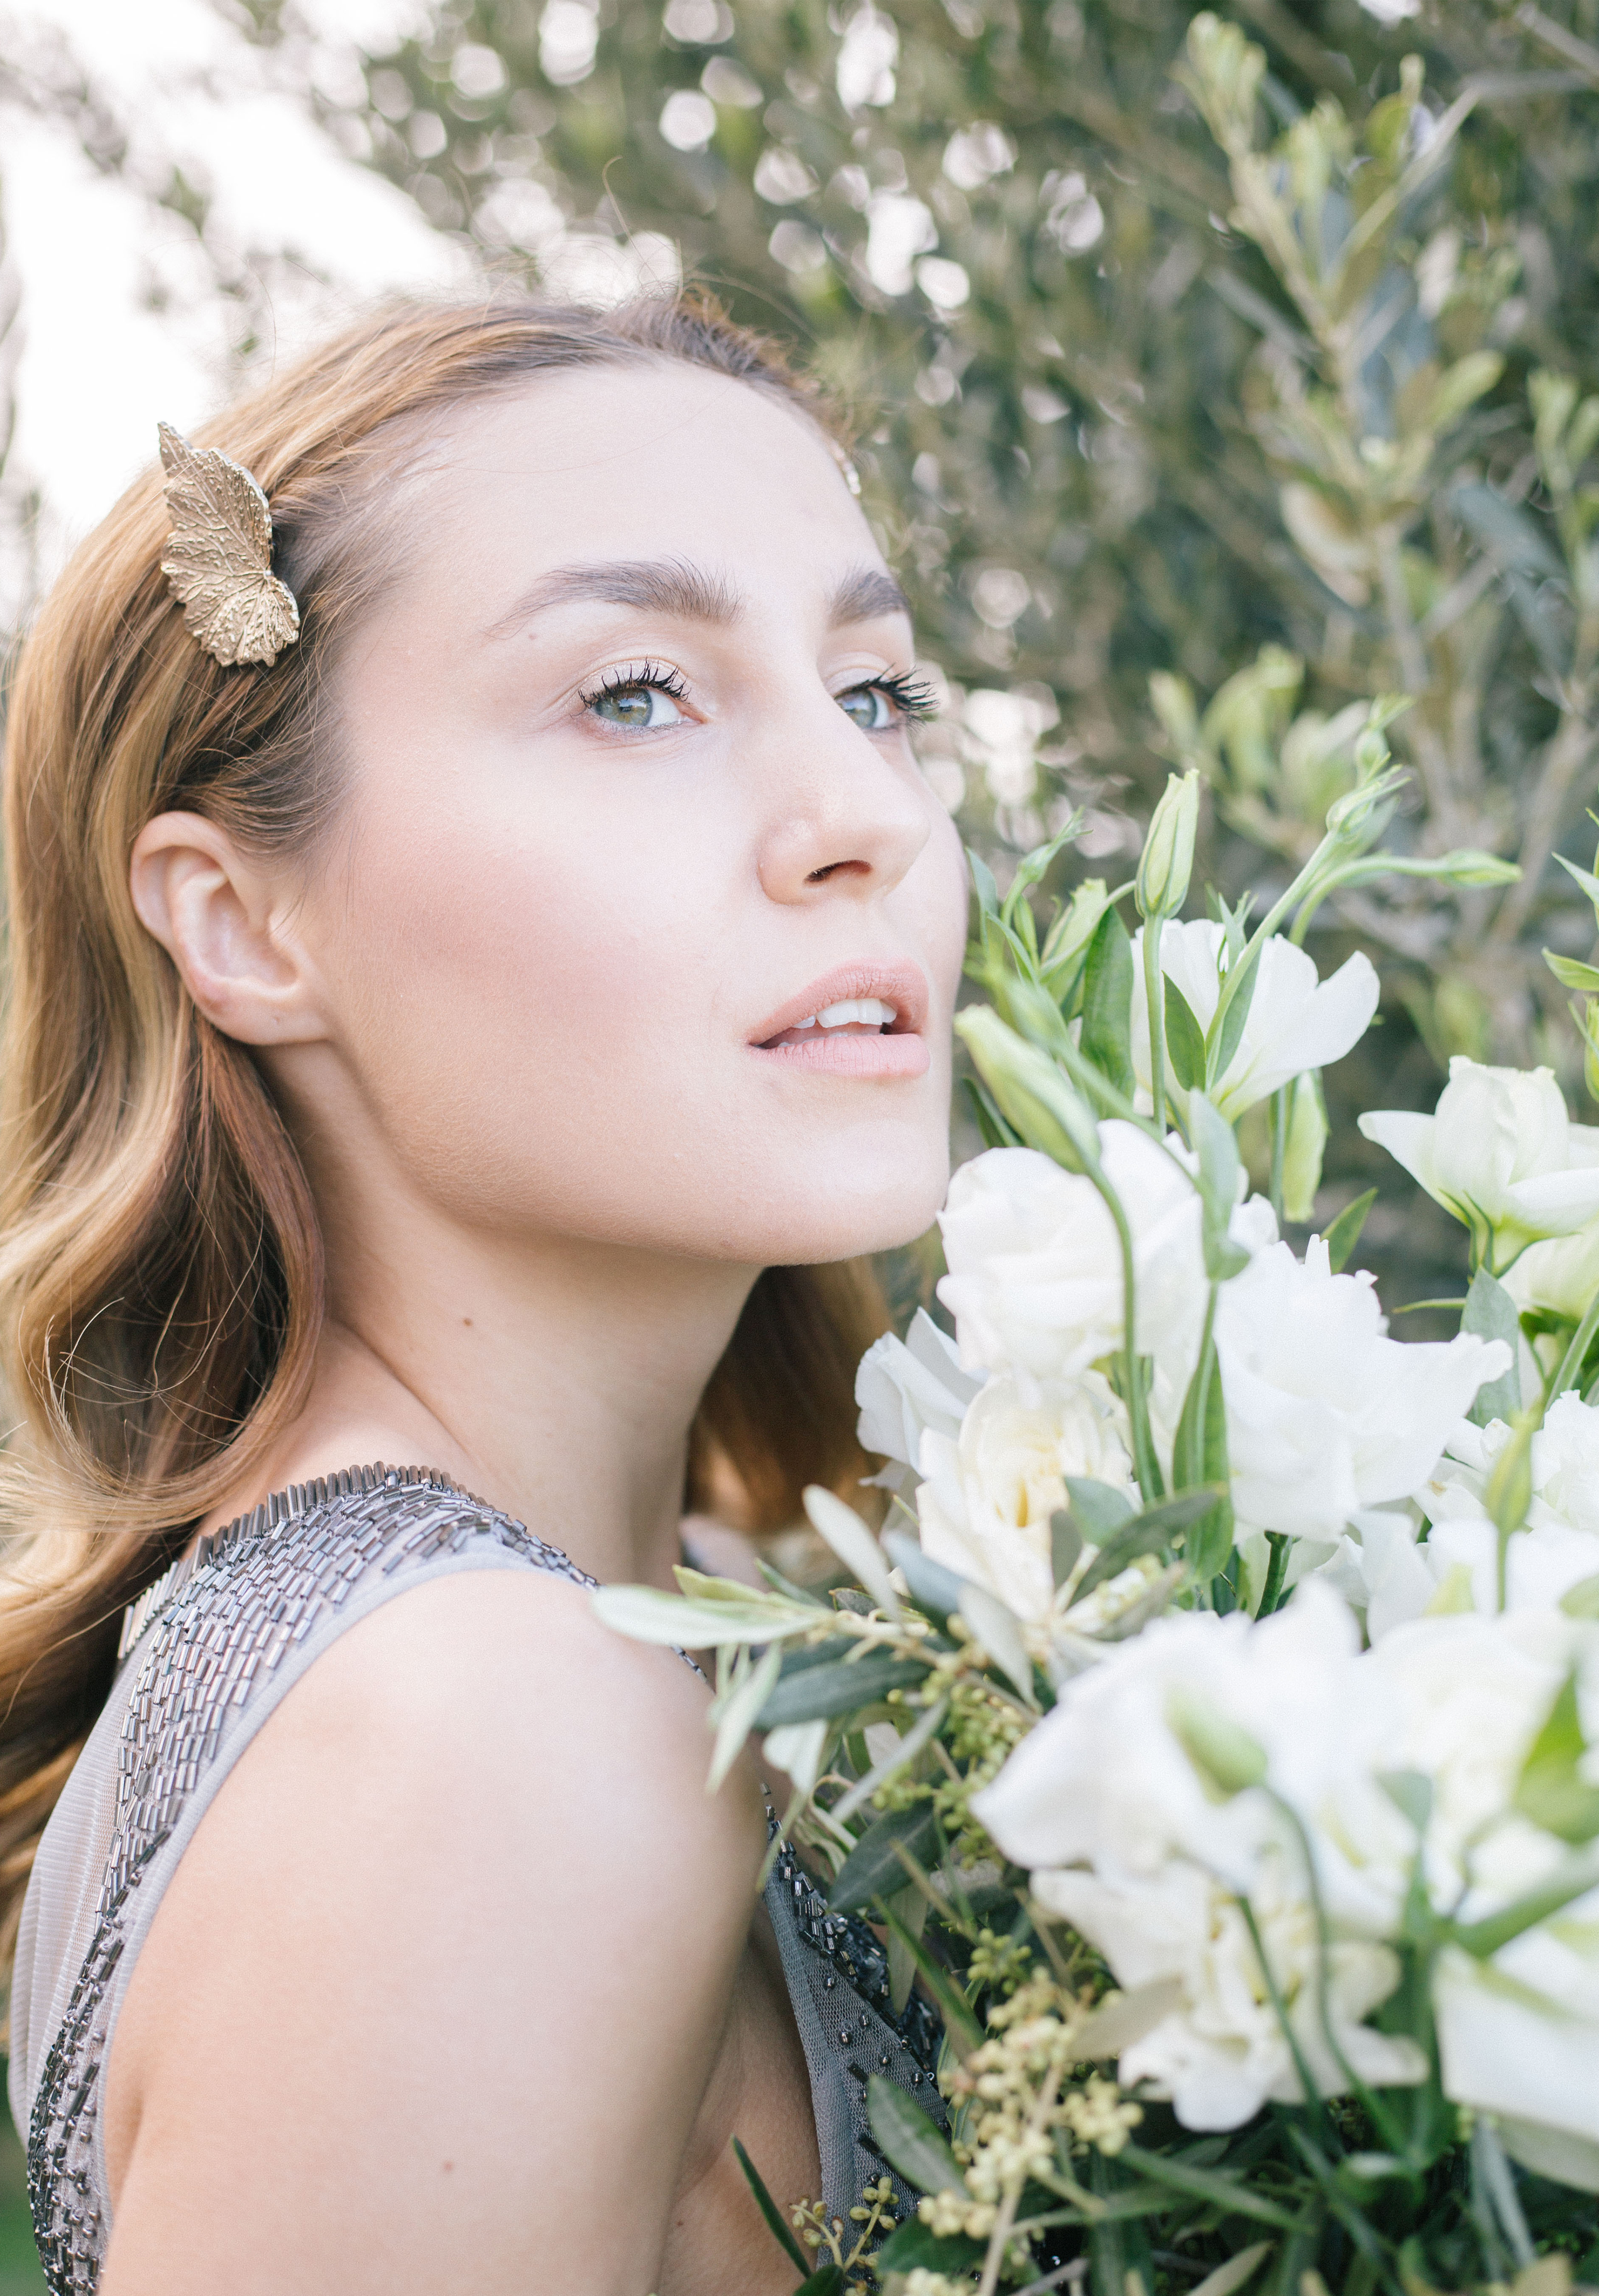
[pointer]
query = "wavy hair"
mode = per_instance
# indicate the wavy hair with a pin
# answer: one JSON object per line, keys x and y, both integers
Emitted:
{"x": 162, "y": 1283}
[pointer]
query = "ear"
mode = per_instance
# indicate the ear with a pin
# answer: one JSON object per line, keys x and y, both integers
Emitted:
{"x": 223, "y": 921}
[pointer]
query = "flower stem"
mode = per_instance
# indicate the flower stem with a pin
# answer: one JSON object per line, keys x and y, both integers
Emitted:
{"x": 1279, "y": 1146}
{"x": 1571, "y": 1363}
{"x": 1155, "y": 991}
{"x": 1146, "y": 1465}
{"x": 1271, "y": 1594}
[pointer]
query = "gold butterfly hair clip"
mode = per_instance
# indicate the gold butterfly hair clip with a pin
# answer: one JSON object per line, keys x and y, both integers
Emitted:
{"x": 218, "y": 560}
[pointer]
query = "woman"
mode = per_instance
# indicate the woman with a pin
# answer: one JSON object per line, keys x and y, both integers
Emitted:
{"x": 419, "y": 1045}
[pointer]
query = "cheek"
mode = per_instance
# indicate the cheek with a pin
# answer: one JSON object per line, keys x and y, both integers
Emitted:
{"x": 506, "y": 1001}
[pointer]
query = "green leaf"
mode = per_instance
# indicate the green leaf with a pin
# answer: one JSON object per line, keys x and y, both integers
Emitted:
{"x": 1065, "y": 1545}
{"x": 821, "y": 1692}
{"x": 1219, "y": 1175}
{"x": 852, "y": 1542}
{"x": 828, "y": 2282}
{"x": 771, "y": 2211}
{"x": 1551, "y": 1789}
{"x": 1491, "y": 1314}
{"x": 914, "y": 2246}
{"x": 920, "y": 1734}
{"x": 1147, "y": 1534}
{"x": 871, "y": 1869}
{"x": 1097, "y": 1509}
{"x": 1506, "y": 532}
{"x": 1235, "y": 2271}
{"x": 960, "y": 2019}
{"x": 1035, "y": 865}
{"x": 1107, "y": 1034}
{"x": 992, "y": 1128}
{"x": 996, "y": 1630}
{"x": 1225, "y": 1032}
{"x": 647, "y": 1615}
{"x": 934, "y": 1589}
{"x": 1343, "y": 1238}
{"x": 983, "y": 884}
{"x": 1200, "y": 1456}
{"x": 1185, "y": 1039}
{"x": 734, "y": 1716}
{"x": 1571, "y": 974}
{"x": 1224, "y": 2193}
{"x": 910, "y": 2140}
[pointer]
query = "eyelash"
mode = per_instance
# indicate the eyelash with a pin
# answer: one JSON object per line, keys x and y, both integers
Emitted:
{"x": 912, "y": 696}
{"x": 651, "y": 674}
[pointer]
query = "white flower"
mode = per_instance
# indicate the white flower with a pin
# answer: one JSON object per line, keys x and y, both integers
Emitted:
{"x": 1296, "y": 1020}
{"x": 1224, "y": 2053}
{"x": 1561, "y": 1274}
{"x": 903, "y": 1388}
{"x": 1519, "y": 2033}
{"x": 1326, "y": 1414}
{"x": 989, "y": 1496}
{"x": 1500, "y": 1153}
{"x": 1394, "y": 1576}
{"x": 1104, "y": 1805}
{"x": 1035, "y": 1280}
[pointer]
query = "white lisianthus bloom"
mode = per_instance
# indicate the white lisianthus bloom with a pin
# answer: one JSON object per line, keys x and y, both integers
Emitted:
{"x": 1223, "y": 2054}
{"x": 1296, "y": 1020}
{"x": 1394, "y": 1576}
{"x": 905, "y": 1387}
{"x": 1561, "y": 1274}
{"x": 986, "y": 1505}
{"x": 1326, "y": 1414}
{"x": 1035, "y": 1280}
{"x": 1125, "y": 1840}
{"x": 1500, "y": 1153}
{"x": 1518, "y": 2033}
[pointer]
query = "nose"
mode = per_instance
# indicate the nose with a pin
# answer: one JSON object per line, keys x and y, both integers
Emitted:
{"x": 850, "y": 814}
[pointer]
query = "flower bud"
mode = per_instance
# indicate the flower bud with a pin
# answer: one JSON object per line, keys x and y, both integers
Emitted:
{"x": 1032, "y": 1094}
{"x": 1167, "y": 860}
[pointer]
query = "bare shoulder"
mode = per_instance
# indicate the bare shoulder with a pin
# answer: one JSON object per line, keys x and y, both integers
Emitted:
{"x": 458, "y": 1932}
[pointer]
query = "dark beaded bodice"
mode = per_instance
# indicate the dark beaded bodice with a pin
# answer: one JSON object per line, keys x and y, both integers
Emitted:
{"x": 211, "y": 1645}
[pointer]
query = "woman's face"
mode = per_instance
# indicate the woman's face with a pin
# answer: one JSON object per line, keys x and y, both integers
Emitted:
{"x": 640, "y": 924}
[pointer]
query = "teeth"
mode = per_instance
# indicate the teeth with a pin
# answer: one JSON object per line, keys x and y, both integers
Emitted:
{"x": 807, "y": 1024}
{"x": 867, "y": 1011}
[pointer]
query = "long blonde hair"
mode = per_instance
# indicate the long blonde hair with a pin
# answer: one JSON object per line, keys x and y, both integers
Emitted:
{"x": 160, "y": 1264}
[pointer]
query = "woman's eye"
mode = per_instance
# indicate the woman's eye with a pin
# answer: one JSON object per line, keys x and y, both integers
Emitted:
{"x": 867, "y": 707}
{"x": 641, "y": 709}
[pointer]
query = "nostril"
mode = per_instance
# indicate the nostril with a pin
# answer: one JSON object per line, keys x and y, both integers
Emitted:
{"x": 839, "y": 869}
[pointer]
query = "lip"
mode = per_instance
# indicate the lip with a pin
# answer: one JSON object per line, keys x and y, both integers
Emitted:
{"x": 899, "y": 1051}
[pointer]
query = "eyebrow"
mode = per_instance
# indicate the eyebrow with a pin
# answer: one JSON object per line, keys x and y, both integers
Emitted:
{"x": 686, "y": 592}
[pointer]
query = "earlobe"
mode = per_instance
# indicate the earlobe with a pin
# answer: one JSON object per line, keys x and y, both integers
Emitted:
{"x": 219, "y": 916}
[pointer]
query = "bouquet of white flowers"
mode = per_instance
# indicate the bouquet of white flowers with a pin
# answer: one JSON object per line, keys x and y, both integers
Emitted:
{"x": 1213, "y": 1730}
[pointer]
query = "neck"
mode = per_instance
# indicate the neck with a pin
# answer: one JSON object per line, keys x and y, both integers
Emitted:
{"x": 555, "y": 1378}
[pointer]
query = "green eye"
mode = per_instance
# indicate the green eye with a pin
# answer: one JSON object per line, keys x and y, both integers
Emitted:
{"x": 867, "y": 707}
{"x": 641, "y": 708}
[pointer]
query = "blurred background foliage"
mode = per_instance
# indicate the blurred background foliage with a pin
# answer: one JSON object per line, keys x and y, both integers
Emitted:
{"x": 1210, "y": 377}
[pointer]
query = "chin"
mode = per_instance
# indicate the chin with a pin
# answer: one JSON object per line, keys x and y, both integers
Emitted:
{"x": 832, "y": 1214}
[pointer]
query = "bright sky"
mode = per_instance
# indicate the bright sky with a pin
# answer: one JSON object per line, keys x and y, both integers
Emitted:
{"x": 120, "y": 321}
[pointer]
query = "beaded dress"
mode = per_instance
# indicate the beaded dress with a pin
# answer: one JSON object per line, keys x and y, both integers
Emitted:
{"x": 207, "y": 1652}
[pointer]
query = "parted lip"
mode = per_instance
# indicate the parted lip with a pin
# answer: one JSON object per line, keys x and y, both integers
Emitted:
{"x": 902, "y": 986}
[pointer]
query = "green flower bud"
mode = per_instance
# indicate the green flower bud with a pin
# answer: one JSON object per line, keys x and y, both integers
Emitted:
{"x": 1167, "y": 860}
{"x": 1223, "y": 1752}
{"x": 1031, "y": 1092}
